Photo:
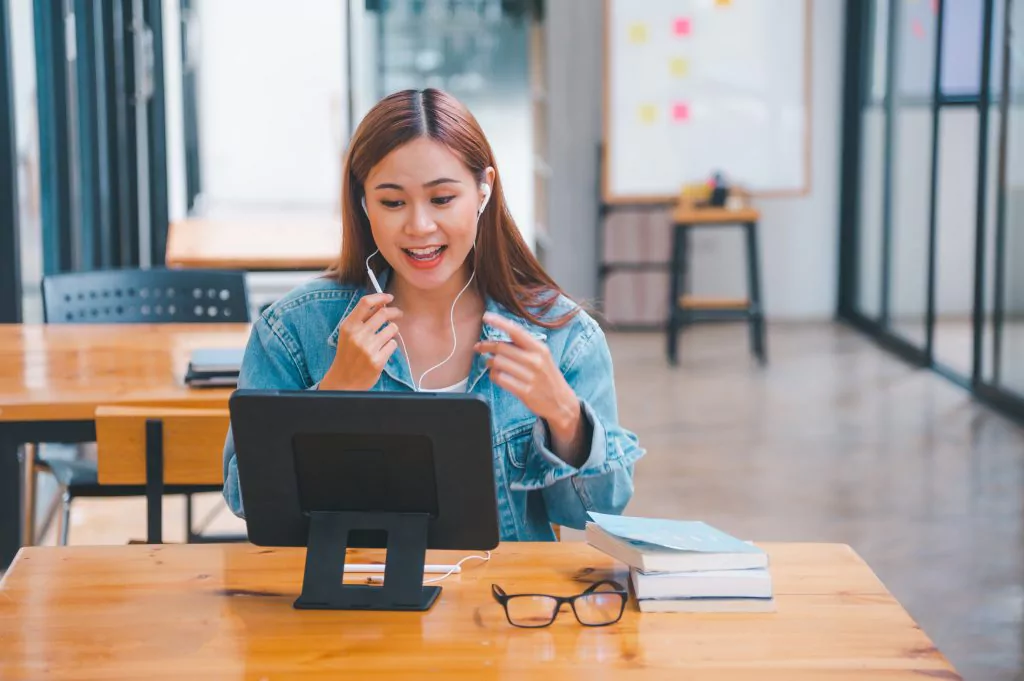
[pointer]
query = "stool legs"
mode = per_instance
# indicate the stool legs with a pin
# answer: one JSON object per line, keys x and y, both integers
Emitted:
{"x": 757, "y": 332}
{"x": 677, "y": 276}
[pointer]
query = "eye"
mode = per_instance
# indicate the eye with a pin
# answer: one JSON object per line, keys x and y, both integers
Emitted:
{"x": 442, "y": 200}
{"x": 390, "y": 204}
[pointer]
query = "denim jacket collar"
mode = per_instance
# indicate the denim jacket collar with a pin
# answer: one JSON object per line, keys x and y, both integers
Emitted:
{"x": 397, "y": 367}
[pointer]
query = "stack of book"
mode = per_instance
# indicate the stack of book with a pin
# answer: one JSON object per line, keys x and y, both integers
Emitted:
{"x": 214, "y": 367}
{"x": 685, "y": 566}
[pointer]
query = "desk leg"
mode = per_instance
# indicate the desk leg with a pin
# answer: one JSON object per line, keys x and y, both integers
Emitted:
{"x": 677, "y": 273}
{"x": 757, "y": 333}
{"x": 10, "y": 498}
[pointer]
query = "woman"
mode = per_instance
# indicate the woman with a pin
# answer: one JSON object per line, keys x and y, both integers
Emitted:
{"x": 464, "y": 306}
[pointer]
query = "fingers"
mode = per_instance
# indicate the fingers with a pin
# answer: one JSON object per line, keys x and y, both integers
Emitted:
{"x": 510, "y": 383}
{"x": 367, "y": 305}
{"x": 382, "y": 317}
{"x": 384, "y": 354}
{"x": 499, "y": 348}
{"x": 506, "y": 365}
{"x": 379, "y": 340}
{"x": 518, "y": 334}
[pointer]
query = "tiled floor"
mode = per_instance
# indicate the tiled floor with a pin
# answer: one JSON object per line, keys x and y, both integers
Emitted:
{"x": 833, "y": 441}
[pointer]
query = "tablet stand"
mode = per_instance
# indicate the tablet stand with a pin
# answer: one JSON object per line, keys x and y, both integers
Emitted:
{"x": 322, "y": 587}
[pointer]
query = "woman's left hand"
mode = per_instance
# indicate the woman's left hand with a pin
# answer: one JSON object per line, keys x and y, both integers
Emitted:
{"x": 526, "y": 369}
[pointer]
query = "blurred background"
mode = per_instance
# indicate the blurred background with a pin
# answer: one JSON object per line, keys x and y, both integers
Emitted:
{"x": 882, "y": 144}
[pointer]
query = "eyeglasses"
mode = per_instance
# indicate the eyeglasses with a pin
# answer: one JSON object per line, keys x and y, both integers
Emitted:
{"x": 600, "y": 605}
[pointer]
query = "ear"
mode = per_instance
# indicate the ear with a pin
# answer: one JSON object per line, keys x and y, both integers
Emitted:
{"x": 486, "y": 189}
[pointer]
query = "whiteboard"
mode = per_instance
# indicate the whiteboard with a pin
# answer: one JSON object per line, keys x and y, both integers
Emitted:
{"x": 694, "y": 87}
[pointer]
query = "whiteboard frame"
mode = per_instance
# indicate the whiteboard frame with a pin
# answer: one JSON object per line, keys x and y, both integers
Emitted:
{"x": 626, "y": 199}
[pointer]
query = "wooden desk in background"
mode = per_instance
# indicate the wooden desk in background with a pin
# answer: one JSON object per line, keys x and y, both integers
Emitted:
{"x": 256, "y": 244}
{"x": 53, "y": 377}
{"x": 225, "y": 611}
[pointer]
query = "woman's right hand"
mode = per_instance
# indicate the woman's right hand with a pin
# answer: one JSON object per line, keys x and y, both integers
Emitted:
{"x": 363, "y": 346}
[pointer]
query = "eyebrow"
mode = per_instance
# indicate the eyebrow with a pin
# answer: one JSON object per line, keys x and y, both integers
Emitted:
{"x": 432, "y": 183}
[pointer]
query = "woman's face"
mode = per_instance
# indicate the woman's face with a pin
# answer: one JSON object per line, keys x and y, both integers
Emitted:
{"x": 422, "y": 202}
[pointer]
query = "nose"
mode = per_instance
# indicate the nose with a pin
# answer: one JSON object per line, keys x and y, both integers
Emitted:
{"x": 421, "y": 221}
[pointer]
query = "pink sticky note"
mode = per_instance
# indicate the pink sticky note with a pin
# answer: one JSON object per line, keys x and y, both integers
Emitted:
{"x": 682, "y": 26}
{"x": 918, "y": 28}
{"x": 680, "y": 112}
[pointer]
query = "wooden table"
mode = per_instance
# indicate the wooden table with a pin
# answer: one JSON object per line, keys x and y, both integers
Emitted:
{"x": 263, "y": 243}
{"x": 225, "y": 611}
{"x": 52, "y": 378}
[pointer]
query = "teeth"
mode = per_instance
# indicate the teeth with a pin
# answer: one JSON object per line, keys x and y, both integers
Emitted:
{"x": 424, "y": 252}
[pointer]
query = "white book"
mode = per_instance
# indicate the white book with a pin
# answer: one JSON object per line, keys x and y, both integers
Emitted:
{"x": 651, "y": 557}
{"x": 753, "y": 605}
{"x": 753, "y": 583}
{"x": 216, "y": 360}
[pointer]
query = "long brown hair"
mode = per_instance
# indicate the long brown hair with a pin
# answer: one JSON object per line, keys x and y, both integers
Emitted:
{"x": 506, "y": 270}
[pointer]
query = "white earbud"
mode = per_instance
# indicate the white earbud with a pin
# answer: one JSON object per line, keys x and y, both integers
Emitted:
{"x": 365, "y": 210}
{"x": 486, "y": 189}
{"x": 369, "y": 271}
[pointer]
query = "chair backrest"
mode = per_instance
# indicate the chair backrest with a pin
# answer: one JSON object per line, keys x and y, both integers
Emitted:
{"x": 152, "y": 296}
{"x": 193, "y": 444}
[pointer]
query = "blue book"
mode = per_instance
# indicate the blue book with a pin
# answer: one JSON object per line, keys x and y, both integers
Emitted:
{"x": 659, "y": 545}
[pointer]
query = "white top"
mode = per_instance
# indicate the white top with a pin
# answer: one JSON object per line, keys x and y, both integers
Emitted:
{"x": 459, "y": 387}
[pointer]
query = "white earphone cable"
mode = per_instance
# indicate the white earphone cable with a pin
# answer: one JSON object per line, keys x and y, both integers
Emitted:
{"x": 379, "y": 579}
{"x": 457, "y": 566}
{"x": 455, "y": 339}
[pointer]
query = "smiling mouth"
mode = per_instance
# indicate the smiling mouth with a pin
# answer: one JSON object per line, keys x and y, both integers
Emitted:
{"x": 424, "y": 254}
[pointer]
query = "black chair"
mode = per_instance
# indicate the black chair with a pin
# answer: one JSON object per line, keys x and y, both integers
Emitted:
{"x": 153, "y": 296}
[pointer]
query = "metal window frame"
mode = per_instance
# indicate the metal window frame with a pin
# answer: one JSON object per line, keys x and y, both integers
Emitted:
{"x": 87, "y": 139}
{"x": 89, "y": 160}
{"x": 54, "y": 142}
{"x": 855, "y": 99}
{"x": 999, "y": 302}
{"x": 190, "y": 107}
{"x": 120, "y": 63}
{"x": 10, "y": 252}
{"x": 983, "y": 103}
{"x": 156, "y": 120}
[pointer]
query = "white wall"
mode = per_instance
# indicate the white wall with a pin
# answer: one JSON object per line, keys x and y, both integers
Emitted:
{"x": 177, "y": 201}
{"x": 798, "y": 235}
{"x": 574, "y": 52}
{"x": 508, "y": 128}
{"x": 273, "y": 110}
{"x": 26, "y": 123}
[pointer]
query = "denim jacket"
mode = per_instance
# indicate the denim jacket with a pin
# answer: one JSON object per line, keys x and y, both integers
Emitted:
{"x": 293, "y": 343}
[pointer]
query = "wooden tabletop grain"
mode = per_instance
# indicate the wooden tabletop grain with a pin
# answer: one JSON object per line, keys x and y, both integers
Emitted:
{"x": 225, "y": 612}
{"x": 689, "y": 215}
{"x": 256, "y": 243}
{"x": 62, "y": 372}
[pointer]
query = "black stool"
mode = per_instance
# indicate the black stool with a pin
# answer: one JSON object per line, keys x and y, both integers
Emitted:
{"x": 684, "y": 310}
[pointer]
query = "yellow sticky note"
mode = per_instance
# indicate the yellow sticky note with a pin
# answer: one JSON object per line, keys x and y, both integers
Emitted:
{"x": 648, "y": 113}
{"x": 679, "y": 67}
{"x": 638, "y": 33}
